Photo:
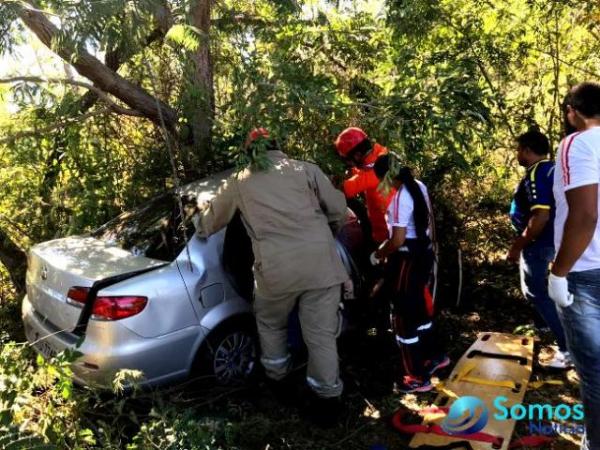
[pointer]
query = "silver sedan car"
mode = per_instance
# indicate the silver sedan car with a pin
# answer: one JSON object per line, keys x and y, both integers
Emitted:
{"x": 143, "y": 292}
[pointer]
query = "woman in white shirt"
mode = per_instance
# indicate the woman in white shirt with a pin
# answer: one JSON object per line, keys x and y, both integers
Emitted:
{"x": 408, "y": 255}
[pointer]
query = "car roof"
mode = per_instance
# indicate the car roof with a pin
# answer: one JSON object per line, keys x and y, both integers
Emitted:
{"x": 205, "y": 189}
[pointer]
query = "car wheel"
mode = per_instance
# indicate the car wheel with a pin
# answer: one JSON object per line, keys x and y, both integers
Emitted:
{"x": 230, "y": 355}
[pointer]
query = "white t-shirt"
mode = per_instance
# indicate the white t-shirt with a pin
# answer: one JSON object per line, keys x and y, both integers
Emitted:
{"x": 400, "y": 211}
{"x": 577, "y": 164}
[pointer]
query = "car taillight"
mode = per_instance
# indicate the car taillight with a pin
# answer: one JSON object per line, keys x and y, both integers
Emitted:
{"x": 115, "y": 308}
{"x": 108, "y": 307}
{"x": 77, "y": 295}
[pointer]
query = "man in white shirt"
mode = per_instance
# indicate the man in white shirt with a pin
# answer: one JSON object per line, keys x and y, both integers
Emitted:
{"x": 574, "y": 281}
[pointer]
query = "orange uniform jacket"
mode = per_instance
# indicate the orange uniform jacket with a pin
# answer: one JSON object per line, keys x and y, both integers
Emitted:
{"x": 364, "y": 180}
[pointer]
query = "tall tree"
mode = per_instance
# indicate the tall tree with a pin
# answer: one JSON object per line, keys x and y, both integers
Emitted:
{"x": 109, "y": 86}
{"x": 202, "y": 113}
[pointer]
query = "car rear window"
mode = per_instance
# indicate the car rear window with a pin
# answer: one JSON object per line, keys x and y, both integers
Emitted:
{"x": 154, "y": 230}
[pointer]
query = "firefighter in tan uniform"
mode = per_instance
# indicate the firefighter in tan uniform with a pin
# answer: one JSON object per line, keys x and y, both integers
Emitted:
{"x": 291, "y": 212}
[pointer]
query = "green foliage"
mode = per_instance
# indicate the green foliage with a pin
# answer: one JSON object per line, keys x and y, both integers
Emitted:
{"x": 9, "y": 26}
{"x": 37, "y": 404}
{"x": 76, "y": 179}
{"x": 185, "y": 35}
{"x": 446, "y": 85}
{"x": 254, "y": 157}
{"x": 41, "y": 409}
{"x": 11, "y": 438}
{"x": 170, "y": 429}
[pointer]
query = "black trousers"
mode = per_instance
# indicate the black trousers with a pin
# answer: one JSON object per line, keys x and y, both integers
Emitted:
{"x": 407, "y": 279}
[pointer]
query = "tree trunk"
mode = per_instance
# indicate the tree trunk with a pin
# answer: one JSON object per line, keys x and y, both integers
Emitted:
{"x": 94, "y": 70}
{"x": 15, "y": 261}
{"x": 202, "y": 111}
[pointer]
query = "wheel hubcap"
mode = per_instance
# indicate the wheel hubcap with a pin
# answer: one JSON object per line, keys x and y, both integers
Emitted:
{"x": 234, "y": 358}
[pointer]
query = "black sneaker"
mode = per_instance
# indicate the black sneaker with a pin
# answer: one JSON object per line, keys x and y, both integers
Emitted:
{"x": 285, "y": 390}
{"x": 324, "y": 412}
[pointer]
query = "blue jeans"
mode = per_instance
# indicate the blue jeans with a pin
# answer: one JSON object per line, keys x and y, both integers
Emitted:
{"x": 534, "y": 285}
{"x": 581, "y": 321}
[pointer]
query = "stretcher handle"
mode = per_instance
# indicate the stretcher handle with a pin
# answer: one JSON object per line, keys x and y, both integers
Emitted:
{"x": 520, "y": 359}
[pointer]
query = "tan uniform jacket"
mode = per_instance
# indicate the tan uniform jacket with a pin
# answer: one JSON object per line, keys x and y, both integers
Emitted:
{"x": 289, "y": 211}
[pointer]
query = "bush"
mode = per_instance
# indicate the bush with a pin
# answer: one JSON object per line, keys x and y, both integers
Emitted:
{"x": 170, "y": 429}
{"x": 41, "y": 408}
{"x": 39, "y": 402}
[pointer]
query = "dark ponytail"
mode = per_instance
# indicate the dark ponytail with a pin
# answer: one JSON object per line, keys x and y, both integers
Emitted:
{"x": 405, "y": 176}
{"x": 421, "y": 209}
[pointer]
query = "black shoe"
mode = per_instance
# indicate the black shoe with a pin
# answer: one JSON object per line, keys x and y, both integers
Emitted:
{"x": 324, "y": 412}
{"x": 285, "y": 390}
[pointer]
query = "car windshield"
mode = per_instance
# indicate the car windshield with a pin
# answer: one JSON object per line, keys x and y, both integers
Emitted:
{"x": 153, "y": 230}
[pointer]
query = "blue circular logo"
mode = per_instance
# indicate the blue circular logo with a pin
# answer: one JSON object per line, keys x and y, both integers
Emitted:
{"x": 467, "y": 415}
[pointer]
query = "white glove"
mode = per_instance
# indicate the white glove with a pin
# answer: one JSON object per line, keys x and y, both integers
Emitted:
{"x": 558, "y": 290}
{"x": 374, "y": 260}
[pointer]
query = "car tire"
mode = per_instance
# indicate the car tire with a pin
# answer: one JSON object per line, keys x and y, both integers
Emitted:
{"x": 230, "y": 354}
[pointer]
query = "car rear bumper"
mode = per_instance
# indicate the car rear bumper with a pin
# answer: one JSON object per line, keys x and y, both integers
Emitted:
{"x": 109, "y": 347}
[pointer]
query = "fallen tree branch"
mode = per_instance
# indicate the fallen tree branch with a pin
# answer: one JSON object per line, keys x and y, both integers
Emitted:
{"x": 114, "y": 58}
{"x": 90, "y": 67}
{"x": 99, "y": 92}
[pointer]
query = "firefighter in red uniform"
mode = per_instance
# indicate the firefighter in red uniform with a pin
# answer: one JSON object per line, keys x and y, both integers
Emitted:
{"x": 355, "y": 147}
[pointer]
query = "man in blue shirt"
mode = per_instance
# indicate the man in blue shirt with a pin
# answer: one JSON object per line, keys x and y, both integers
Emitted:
{"x": 532, "y": 214}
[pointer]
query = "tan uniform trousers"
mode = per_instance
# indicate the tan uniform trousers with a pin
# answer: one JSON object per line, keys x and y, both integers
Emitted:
{"x": 320, "y": 323}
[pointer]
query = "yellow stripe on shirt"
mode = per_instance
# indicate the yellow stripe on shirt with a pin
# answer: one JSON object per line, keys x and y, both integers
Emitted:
{"x": 540, "y": 207}
{"x": 534, "y": 168}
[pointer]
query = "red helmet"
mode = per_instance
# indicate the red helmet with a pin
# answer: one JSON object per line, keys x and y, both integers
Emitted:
{"x": 257, "y": 133}
{"x": 348, "y": 139}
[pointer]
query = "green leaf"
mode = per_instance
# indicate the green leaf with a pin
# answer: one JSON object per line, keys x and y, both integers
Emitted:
{"x": 185, "y": 35}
